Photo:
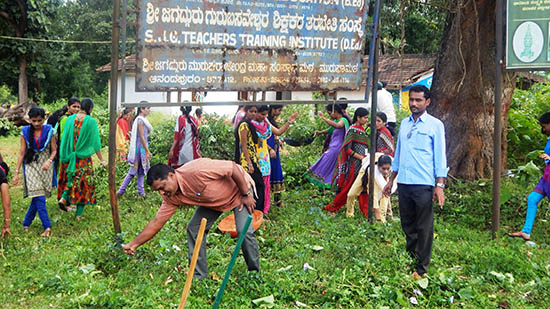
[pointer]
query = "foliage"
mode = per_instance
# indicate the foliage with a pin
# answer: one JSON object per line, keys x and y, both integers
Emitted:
{"x": 7, "y": 128}
{"x": 30, "y": 19}
{"x": 60, "y": 70}
{"x": 305, "y": 125}
{"x": 423, "y": 26}
{"x": 524, "y": 134}
{"x": 6, "y": 97}
{"x": 359, "y": 266}
{"x": 216, "y": 138}
{"x": 161, "y": 138}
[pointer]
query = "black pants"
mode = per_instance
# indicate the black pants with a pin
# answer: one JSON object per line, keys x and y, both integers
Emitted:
{"x": 391, "y": 127}
{"x": 417, "y": 221}
{"x": 260, "y": 187}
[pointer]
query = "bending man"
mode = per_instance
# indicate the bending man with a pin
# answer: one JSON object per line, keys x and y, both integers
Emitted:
{"x": 215, "y": 186}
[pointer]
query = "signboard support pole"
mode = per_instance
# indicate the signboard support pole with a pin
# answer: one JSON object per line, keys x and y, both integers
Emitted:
{"x": 124, "y": 23}
{"x": 113, "y": 116}
{"x": 372, "y": 81}
{"x": 497, "y": 135}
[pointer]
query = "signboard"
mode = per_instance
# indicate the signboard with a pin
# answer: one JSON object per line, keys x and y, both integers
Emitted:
{"x": 528, "y": 34}
{"x": 250, "y": 45}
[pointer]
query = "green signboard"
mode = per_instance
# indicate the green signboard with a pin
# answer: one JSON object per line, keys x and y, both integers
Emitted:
{"x": 528, "y": 34}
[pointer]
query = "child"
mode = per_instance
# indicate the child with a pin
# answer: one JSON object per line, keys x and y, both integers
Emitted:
{"x": 4, "y": 189}
{"x": 382, "y": 205}
{"x": 38, "y": 150}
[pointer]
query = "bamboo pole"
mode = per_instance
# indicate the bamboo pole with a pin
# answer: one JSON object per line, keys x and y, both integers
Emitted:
{"x": 232, "y": 262}
{"x": 191, "y": 270}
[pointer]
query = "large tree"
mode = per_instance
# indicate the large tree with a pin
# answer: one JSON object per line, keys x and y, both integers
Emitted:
{"x": 23, "y": 19}
{"x": 463, "y": 87}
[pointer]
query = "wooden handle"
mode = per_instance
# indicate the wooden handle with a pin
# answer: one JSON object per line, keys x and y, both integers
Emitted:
{"x": 191, "y": 270}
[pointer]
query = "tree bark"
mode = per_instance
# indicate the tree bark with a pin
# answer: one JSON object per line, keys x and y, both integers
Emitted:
{"x": 463, "y": 88}
{"x": 23, "y": 96}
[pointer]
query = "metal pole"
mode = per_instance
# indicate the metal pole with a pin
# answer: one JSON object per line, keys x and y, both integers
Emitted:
{"x": 372, "y": 149}
{"x": 232, "y": 263}
{"x": 497, "y": 135}
{"x": 113, "y": 115}
{"x": 218, "y": 103}
{"x": 371, "y": 81}
{"x": 123, "y": 52}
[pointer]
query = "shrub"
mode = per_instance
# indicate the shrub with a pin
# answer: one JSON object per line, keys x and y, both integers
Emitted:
{"x": 7, "y": 128}
{"x": 6, "y": 97}
{"x": 216, "y": 138}
{"x": 524, "y": 133}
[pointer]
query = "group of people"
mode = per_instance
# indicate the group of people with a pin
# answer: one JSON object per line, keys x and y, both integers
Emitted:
{"x": 56, "y": 153}
{"x": 257, "y": 149}
{"x": 344, "y": 162}
{"x": 419, "y": 167}
{"x": 417, "y": 164}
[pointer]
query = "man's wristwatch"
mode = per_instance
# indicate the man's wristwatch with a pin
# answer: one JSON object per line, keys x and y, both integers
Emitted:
{"x": 441, "y": 185}
{"x": 245, "y": 194}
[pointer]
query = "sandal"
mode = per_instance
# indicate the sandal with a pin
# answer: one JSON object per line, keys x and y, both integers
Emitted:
{"x": 523, "y": 235}
{"x": 62, "y": 204}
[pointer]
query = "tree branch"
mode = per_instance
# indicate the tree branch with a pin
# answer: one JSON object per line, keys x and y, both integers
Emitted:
{"x": 8, "y": 18}
{"x": 23, "y": 24}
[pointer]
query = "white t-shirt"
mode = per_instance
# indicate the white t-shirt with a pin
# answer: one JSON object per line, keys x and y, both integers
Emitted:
{"x": 384, "y": 104}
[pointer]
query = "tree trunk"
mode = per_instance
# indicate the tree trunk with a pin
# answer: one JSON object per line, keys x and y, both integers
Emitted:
{"x": 23, "y": 81}
{"x": 463, "y": 88}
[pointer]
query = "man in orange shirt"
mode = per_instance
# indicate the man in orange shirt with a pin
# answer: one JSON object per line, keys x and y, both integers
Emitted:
{"x": 215, "y": 186}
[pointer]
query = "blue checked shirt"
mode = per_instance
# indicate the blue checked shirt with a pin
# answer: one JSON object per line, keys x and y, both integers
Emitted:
{"x": 420, "y": 155}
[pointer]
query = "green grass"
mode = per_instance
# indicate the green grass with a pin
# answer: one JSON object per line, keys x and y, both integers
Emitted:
{"x": 360, "y": 265}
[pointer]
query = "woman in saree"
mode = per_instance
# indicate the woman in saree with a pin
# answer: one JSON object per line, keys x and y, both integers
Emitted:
{"x": 57, "y": 120}
{"x": 352, "y": 153}
{"x": 276, "y": 178}
{"x": 321, "y": 172}
{"x": 384, "y": 139}
{"x": 265, "y": 131}
{"x": 37, "y": 153}
{"x": 185, "y": 147}
{"x": 139, "y": 156}
{"x": 80, "y": 141}
{"x": 123, "y": 134}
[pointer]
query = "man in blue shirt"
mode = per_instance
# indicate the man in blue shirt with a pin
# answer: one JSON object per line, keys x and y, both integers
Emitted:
{"x": 542, "y": 189}
{"x": 420, "y": 166}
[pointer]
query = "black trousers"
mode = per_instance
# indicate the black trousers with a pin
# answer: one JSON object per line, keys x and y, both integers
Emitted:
{"x": 260, "y": 187}
{"x": 417, "y": 222}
